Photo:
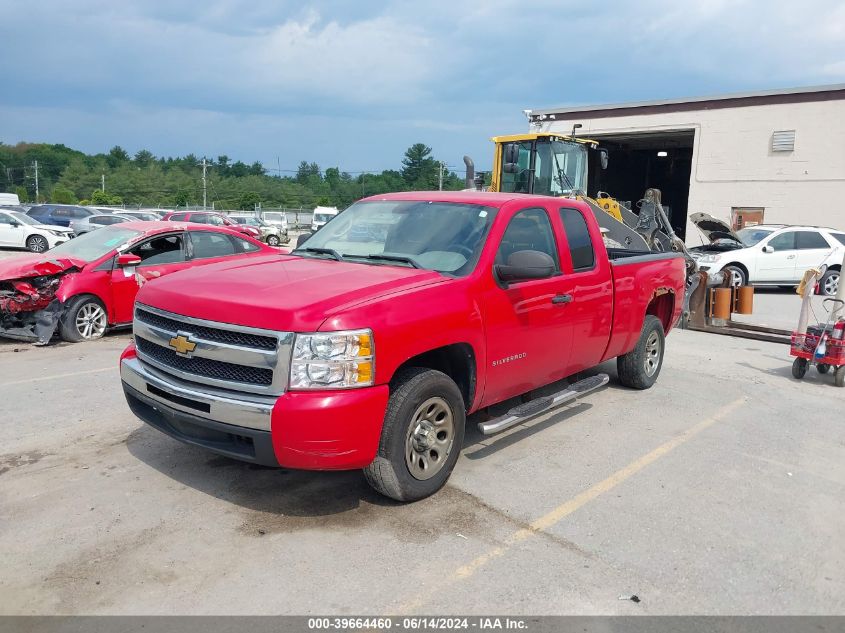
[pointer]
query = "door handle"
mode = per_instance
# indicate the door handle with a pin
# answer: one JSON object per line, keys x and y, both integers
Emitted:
{"x": 790, "y": 256}
{"x": 562, "y": 299}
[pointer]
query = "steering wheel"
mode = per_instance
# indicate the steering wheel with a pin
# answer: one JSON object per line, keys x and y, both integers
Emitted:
{"x": 466, "y": 251}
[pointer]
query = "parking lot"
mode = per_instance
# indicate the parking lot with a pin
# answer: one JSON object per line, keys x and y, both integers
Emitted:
{"x": 719, "y": 491}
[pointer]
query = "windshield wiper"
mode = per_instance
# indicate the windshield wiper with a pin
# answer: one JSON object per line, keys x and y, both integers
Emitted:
{"x": 320, "y": 251}
{"x": 391, "y": 258}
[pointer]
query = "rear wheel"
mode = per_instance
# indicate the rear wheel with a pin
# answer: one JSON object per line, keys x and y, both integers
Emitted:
{"x": 421, "y": 438}
{"x": 839, "y": 376}
{"x": 37, "y": 243}
{"x": 829, "y": 283}
{"x": 799, "y": 368}
{"x": 640, "y": 367}
{"x": 84, "y": 319}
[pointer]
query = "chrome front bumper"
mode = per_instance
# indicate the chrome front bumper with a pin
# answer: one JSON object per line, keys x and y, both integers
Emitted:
{"x": 243, "y": 410}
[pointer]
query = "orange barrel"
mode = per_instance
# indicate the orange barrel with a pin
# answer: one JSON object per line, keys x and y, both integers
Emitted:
{"x": 721, "y": 305}
{"x": 744, "y": 300}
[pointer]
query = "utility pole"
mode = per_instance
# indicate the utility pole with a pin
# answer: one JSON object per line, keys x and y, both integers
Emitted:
{"x": 203, "y": 184}
{"x": 103, "y": 183}
{"x": 440, "y": 173}
{"x": 35, "y": 164}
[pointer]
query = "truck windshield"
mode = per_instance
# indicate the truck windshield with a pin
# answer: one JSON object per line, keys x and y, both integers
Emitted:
{"x": 95, "y": 244}
{"x": 442, "y": 236}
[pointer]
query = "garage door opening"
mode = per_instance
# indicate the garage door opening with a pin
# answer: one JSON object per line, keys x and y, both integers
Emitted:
{"x": 638, "y": 161}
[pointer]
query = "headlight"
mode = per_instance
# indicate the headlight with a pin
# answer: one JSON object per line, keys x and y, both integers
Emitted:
{"x": 710, "y": 258}
{"x": 332, "y": 360}
{"x": 56, "y": 233}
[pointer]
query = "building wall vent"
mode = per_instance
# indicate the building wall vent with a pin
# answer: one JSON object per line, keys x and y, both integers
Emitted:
{"x": 783, "y": 141}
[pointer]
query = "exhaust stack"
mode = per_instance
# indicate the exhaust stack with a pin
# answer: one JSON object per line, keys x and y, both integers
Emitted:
{"x": 470, "y": 173}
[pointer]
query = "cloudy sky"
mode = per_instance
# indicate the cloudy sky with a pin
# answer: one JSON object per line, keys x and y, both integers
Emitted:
{"x": 355, "y": 83}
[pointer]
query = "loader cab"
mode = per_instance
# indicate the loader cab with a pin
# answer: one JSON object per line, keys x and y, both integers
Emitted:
{"x": 545, "y": 164}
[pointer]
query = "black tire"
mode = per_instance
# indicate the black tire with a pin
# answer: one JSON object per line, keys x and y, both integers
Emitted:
{"x": 37, "y": 243}
{"x": 799, "y": 368}
{"x": 737, "y": 274}
{"x": 839, "y": 376}
{"x": 829, "y": 283}
{"x": 75, "y": 310}
{"x": 639, "y": 368}
{"x": 390, "y": 473}
{"x": 822, "y": 368}
{"x": 272, "y": 240}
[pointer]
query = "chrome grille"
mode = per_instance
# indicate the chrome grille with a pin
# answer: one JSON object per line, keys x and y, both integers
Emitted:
{"x": 205, "y": 367}
{"x": 221, "y": 355}
{"x": 209, "y": 333}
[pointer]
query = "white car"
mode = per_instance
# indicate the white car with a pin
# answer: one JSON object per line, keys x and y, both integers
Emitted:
{"x": 769, "y": 254}
{"x": 276, "y": 218}
{"x": 21, "y": 231}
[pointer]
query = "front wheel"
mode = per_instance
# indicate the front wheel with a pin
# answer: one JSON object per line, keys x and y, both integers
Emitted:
{"x": 37, "y": 243}
{"x": 421, "y": 438}
{"x": 640, "y": 367}
{"x": 736, "y": 275}
{"x": 84, "y": 319}
{"x": 272, "y": 240}
{"x": 799, "y": 368}
{"x": 839, "y": 376}
{"x": 822, "y": 368}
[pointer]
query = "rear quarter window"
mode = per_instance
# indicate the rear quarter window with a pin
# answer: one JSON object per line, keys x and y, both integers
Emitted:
{"x": 578, "y": 237}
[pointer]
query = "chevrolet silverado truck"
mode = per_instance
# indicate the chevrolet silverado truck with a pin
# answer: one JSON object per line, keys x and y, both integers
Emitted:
{"x": 368, "y": 345}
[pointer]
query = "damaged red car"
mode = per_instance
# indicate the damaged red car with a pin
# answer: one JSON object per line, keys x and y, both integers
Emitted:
{"x": 81, "y": 288}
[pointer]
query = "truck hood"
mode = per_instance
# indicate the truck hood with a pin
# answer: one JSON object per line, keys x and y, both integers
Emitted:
{"x": 714, "y": 229}
{"x": 35, "y": 265}
{"x": 279, "y": 292}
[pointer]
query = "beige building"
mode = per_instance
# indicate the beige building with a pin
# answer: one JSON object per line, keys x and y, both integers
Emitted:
{"x": 775, "y": 157}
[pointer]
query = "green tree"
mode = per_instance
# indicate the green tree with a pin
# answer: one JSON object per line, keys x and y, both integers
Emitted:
{"x": 181, "y": 198}
{"x": 23, "y": 194}
{"x": 419, "y": 170}
{"x": 103, "y": 197}
{"x": 248, "y": 200}
{"x": 62, "y": 195}
{"x": 143, "y": 158}
{"x": 117, "y": 155}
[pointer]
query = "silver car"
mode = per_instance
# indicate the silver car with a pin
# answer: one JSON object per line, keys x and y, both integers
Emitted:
{"x": 146, "y": 216}
{"x": 86, "y": 225}
{"x": 273, "y": 234}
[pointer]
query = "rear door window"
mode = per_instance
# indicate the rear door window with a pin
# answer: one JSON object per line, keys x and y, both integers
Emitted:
{"x": 840, "y": 237}
{"x": 810, "y": 239}
{"x": 578, "y": 236}
{"x": 210, "y": 244}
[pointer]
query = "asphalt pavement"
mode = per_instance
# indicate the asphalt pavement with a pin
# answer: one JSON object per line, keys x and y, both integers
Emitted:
{"x": 719, "y": 491}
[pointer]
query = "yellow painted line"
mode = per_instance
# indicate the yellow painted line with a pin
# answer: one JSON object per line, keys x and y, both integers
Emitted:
{"x": 58, "y": 376}
{"x": 578, "y": 501}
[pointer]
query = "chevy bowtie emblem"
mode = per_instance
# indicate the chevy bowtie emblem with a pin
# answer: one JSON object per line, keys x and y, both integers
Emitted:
{"x": 183, "y": 344}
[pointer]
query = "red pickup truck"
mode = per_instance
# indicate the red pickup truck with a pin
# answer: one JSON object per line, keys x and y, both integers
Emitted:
{"x": 369, "y": 344}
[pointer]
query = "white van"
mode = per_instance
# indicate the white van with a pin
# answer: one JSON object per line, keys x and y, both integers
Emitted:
{"x": 9, "y": 199}
{"x": 322, "y": 215}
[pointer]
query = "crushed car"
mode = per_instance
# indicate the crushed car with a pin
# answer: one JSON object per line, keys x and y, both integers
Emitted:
{"x": 83, "y": 287}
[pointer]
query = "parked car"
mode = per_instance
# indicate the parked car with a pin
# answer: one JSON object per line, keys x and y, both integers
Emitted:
{"x": 9, "y": 199}
{"x": 276, "y": 218}
{"x": 370, "y": 354}
{"x": 92, "y": 222}
{"x": 214, "y": 219}
{"x": 273, "y": 234}
{"x": 144, "y": 216}
{"x": 321, "y": 216}
{"x": 769, "y": 254}
{"x": 18, "y": 230}
{"x": 59, "y": 214}
{"x": 88, "y": 284}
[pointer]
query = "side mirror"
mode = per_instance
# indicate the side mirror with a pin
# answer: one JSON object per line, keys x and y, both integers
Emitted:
{"x": 128, "y": 259}
{"x": 511, "y": 153}
{"x": 603, "y": 158}
{"x": 525, "y": 265}
{"x": 302, "y": 238}
{"x": 768, "y": 249}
